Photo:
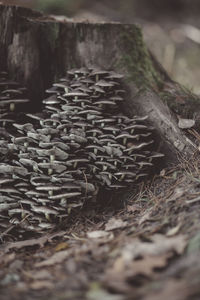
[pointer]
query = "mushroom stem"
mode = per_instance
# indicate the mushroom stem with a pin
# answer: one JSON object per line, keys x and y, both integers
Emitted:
{"x": 124, "y": 141}
{"x": 122, "y": 177}
{"x": 50, "y": 171}
{"x": 50, "y": 193}
{"x": 12, "y": 106}
{"x": 47, "y": 217}
{"x": 52, "y": 157}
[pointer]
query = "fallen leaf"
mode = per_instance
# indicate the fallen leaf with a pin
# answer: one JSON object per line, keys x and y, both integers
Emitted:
{"x": 145, "y": 217}
{"x": 177, "y": 193}
{"x": 96, "y": 292}
{"x": 115, "y": 223}
{"x": 41, "y": 241}
{"x": 7, "y": 258}
{"x": 61, "y": 246}
{"x": 100, "y": 234}
{"x": 173, "y": 231}
{"x": 145, "y": 266}
{"x": 162, "y": 173}
{"x": 41, "y": 284}
{"x": 186, "y": 123}
{"x": 54, "y": 259}
{"x": 102, "y": 294}
{"x": 16, "y": 265}
{"x": 38, "y": 275}
{"x": 159, "y": 244}
{"x": 164, "y": 244}
{"x": 133, "y": 208}
{"x": 173, "y": 289}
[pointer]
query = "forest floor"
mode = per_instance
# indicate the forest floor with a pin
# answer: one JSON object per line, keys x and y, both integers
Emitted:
{"x": 149, "y": 249}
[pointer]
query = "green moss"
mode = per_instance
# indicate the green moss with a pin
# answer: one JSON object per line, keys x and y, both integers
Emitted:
{"x": 52, "y": 6}
{"x": 136, "y": 59}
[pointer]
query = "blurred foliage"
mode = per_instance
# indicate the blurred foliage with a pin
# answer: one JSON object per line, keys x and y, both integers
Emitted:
{"x": 61, "y": 7}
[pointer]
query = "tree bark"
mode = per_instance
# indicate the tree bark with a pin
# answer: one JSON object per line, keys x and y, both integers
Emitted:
{"x": 37, "y": 50}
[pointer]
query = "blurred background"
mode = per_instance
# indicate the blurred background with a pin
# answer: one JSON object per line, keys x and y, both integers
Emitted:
{"x": 171, "y": 28}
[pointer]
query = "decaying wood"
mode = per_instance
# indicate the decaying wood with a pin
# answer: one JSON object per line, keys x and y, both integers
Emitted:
{"x": 37, "y": 50}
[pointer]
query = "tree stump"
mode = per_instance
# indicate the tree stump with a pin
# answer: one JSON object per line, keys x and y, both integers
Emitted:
{"x": 36, "y": 50}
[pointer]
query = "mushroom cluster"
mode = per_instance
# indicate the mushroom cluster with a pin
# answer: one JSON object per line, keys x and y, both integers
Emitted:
{"x": 12, "y": 100}
{"x": 79, "y": 142}
{"x": 12, "y": 96}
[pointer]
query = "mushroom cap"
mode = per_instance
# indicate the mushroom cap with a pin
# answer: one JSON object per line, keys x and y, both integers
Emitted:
{"x": 98, "y": 72}
{"x": 58, "y": 153}
{"x": 5, "y": 180}
{"x": 65, "y": 195}
{"x": 87, "y": 81}
{"x": 126, "y": 135}
{"x": 71, "y": 109}
{"x": 7, "y": 206}
{"x": 89, "y": 111}
{"x": 25, "y": 127}
{"x": 76, "y": 160}
{"x": 116, "y": 98}
{"x": 50, "y": 122}
{"x": 52, "y": 90}
{"x": 39, "y": 180}
{"x": 126, "y": 173}
{"x": 92, "y": 147}
{"x": 111, "y": 129}
{"x": 9, "y": 190}
{"x": 7, "y": 169}
{"x": 113, "y": 75}
{"x": 103, "y": 83}
{"x": 75, "y": 94}
{"x": 135, "y": 126}
{"x": 51, "y": 100}
{"x": 104, "y": 102}
{"x": 138, "y": 146}
{"x": 106, "y": 164}
{"x": 94, "y": 130}
{"x": 97, "y": 89}
{"x": 44, "y": 209}
{"x": 62, "y": 85}
{"x": 16, "y": 101}
{"x": 48, "y": 131}
{"x": 38, "y": 137}
{"x": 78, "y": 138}
{"x": 35, "y": 117}
{"x": 106, "y": 141}
{"x": 55, "y": 166}
{"x": 50, "y": 187}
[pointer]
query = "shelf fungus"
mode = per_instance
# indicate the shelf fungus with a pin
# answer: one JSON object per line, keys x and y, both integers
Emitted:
{"x": 78, "y": 143}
